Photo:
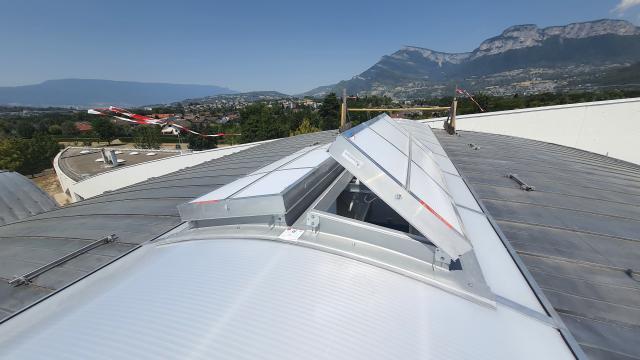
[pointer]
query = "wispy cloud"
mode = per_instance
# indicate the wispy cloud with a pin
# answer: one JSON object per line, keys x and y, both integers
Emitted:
{"x": 625, "y": 5}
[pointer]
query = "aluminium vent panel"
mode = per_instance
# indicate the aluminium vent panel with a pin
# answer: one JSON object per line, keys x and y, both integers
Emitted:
{"x": 401, "y": 170}
{"x": 278, "y": 192}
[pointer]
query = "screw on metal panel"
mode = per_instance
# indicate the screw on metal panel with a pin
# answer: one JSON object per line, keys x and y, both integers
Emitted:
{"x": 629, "y": 273}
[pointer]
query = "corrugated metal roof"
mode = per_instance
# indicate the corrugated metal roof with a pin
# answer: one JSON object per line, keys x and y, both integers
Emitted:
{"x": 136, "y": 214}
{"x": 20, "y": 198}
{"x": 577, "y": 233}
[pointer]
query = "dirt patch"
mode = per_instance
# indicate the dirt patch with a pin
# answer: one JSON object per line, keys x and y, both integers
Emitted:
{"x": 49, "y": 183}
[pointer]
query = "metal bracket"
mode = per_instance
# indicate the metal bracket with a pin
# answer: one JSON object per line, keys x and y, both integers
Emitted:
{"x": 26, "y": 278}
{"x": 524, "y": 186}
{"x": 313, "y": 222}
{"x": 440, "y": 258}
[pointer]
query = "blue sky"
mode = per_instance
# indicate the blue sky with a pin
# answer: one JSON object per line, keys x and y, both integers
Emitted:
{"x": 289, "y": 46}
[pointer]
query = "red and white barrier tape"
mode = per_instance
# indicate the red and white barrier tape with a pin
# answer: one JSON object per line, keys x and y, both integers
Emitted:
{"x": 126, "y": 115}
{"x": 466, "y": 93}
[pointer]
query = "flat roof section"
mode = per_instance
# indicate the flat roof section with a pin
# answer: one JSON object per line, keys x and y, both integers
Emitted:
{"x": 578, "y": 231}
{"x": 80, "y": 163}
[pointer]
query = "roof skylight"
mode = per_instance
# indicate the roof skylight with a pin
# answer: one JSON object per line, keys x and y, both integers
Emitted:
{"x": 276, "y": 192}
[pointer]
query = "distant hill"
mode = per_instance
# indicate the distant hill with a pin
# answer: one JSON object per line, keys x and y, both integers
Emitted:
{"x": 524, "y": 59}
{"x": 88, "y": 93}
{"x": 627, "y": 76}
{"x": 245, "y": 97}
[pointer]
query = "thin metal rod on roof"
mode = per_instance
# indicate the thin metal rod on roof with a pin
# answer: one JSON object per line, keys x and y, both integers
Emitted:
{"x": 430, "y": 108}
{"x": 26, "y": 278}
{"x": 524, "y": 186}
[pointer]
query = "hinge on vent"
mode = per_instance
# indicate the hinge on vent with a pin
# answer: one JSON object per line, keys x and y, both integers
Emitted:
{"x": 313, "y": 222}
{"x": 441, "y": 259}
{"x": 524, "y": 186}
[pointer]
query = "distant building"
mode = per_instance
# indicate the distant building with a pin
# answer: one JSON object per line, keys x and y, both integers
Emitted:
{"x": 162, "y": 116}
{"x": 83, "y": 127}
{"x": 169, "y": 130}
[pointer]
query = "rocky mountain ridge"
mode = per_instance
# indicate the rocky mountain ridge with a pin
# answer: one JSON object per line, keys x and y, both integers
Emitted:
{"x": 542, "y": 59}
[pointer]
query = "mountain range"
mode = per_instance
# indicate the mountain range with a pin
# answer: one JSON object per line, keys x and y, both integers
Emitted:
{"x": 523, "y": 59}
{"x": 90, "y": 92}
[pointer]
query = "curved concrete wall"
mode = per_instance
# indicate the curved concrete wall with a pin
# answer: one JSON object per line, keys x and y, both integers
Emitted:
{"x": 128, "y": 175}
{"x": 65, "y": 181}
{"x": 609, "y": 128}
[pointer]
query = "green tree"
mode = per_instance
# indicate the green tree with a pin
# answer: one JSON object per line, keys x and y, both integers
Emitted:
{"x": 28, "y": 156}
{"x": 69, "y": 128}
{"x": 38, "y": 154}
{"x": 104, "y": 129}
{"x": 147, "y": 137}
{"x": 55, "y": 130}
{"x": 261, "y": 122}
{"x": 329, "y": 112}
{"x": 11, "y": 158}
{"x": 25, "y": 130}
{"x": 200, "y": 142}
{"x": 305, "y": 128}
{"x": 3, "y": 129}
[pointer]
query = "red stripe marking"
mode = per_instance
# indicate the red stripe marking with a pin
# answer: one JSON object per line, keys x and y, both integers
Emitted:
{"x": 436, "y": 214}
{"x": 207, "y": 202}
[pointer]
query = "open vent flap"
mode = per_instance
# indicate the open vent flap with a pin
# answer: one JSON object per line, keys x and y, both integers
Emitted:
{"x": 400, "y": 169}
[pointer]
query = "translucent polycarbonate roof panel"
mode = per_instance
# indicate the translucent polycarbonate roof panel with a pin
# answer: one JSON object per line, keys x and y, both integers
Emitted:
{"x": 248, "y": 299}
{"x": 274, "y": 182}
{"x": 424, "y": 136}
{"x": 229, "y": 189}
{"x": 426, "y": 188}
{"x": 285, "y": 160}
{"x": 278, "y": 190}
{"x": 402, "y": 171}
